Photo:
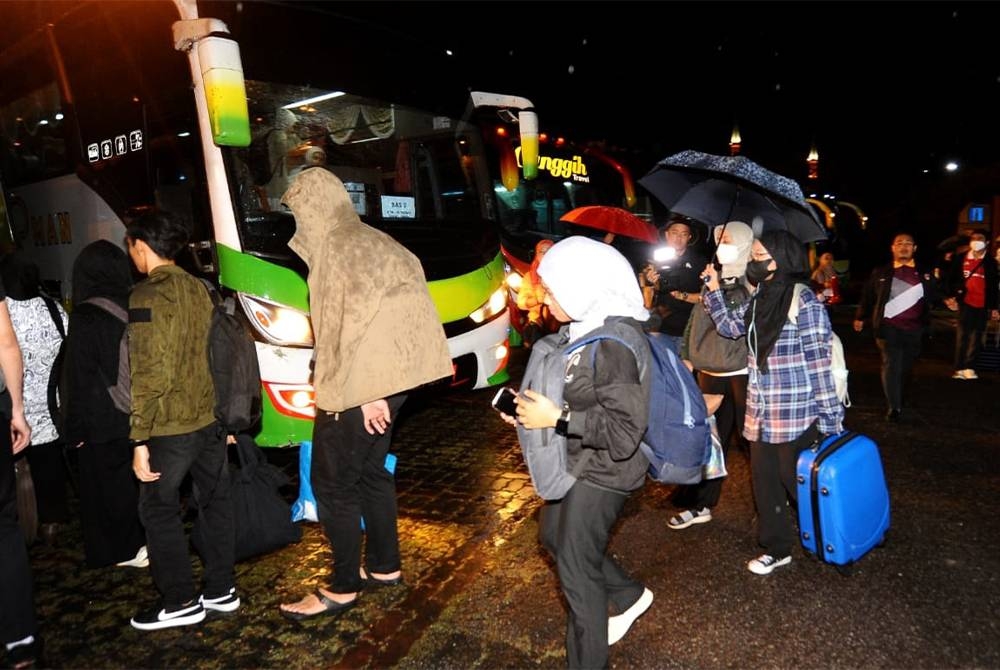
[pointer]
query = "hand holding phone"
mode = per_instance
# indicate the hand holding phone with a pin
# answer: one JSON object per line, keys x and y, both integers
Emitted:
{"x": 504, "y": 401}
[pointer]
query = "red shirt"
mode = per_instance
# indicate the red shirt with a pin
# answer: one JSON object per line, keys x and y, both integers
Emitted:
{"x": 975, "y": 283}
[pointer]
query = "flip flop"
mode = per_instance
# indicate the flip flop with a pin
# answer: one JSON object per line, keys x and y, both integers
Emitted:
{"x": 330, "y": 607}
{"x": 370, "y": 580}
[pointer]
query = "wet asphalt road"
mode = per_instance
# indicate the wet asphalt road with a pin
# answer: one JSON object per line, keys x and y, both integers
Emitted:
{"x": 481, "y": 594}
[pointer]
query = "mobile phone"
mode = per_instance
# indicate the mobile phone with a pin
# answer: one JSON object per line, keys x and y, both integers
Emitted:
{"x": 503, "y": 401}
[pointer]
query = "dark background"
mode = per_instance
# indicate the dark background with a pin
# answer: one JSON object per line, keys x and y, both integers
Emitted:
{"x": 887, "y": 92}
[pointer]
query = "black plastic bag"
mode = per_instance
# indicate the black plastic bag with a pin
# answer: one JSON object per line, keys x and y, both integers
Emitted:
{"x": 261, "y": 516}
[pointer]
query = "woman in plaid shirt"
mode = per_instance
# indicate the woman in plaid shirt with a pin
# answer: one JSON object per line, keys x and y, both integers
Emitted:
{"x": 791, "y": 398}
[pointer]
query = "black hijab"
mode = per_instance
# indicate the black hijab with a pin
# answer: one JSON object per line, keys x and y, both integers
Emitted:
{"x": 102, "y": 269}
{"x": 21, "y": 279}
{"x": 769, "y": 305}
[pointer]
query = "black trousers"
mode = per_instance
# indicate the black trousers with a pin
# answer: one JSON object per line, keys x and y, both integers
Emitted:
{"x": 772, "y": 472}
{"x": 350, "y": 482}
{"x": 201, "y": 453}
{"x": 969, "y": 336}
{"x": 729, "y": 422}
{"x": 899, "y": 350}
{"x": 109, "y": 503}
{"x": 48, "y": 470}
{"x": 17, "y": 609}
{"x": 575, "y": 531}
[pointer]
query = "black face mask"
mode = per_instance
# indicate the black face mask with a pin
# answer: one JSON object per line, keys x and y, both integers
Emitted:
{"x": 757, "y": 271}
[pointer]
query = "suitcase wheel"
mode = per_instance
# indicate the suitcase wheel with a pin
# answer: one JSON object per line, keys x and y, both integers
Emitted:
{"x": 845, "y": 570}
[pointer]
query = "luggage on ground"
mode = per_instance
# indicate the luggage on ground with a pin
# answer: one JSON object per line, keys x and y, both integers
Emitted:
{"x": 843, "y": 499}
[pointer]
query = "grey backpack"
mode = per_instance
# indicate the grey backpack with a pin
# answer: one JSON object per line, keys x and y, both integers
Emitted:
{"x": 121, "y": 390}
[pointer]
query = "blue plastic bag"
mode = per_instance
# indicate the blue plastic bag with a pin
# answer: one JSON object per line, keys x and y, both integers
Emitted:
{"x": 304, "y": 508}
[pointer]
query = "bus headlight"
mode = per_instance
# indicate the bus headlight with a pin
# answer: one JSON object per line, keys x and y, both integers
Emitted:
{"x": 276, "y": 323}
{"x": 495, "y": 305}
{"x": 514, "y": 280}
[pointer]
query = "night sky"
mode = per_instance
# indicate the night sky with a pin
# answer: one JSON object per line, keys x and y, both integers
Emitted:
{"x": 886, "y": 90}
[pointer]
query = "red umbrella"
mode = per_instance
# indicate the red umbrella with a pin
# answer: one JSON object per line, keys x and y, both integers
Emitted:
{"x": 613, "y": 220}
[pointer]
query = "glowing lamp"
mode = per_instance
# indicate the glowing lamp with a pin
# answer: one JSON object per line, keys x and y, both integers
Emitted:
{"x": 528, "y": 121}
{"x": 225, "y": 91}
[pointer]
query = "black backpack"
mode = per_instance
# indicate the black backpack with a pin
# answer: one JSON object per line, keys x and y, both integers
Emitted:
{"x": 232, "y": 358}
{"x": 57, "y": 376}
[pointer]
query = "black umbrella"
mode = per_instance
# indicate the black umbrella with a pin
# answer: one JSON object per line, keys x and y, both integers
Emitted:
{"x": 717, "y": 189}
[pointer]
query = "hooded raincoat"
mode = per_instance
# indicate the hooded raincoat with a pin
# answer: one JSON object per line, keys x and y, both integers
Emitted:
{"x": 376, "y": 328}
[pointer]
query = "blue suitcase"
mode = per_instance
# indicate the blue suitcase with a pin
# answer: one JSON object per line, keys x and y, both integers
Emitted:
{"x": 843, "y": 499}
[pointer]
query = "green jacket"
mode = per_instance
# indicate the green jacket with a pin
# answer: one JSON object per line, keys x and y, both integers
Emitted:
{"x": 172, "y": 390}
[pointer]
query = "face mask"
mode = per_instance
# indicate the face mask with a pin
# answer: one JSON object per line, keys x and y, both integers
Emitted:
{"x": 727, "y": 253}
{"x": 757, "y": 271}
{"x": 977, "y": 245}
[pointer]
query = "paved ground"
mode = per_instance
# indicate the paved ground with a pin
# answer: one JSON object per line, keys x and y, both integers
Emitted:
{"x": 481, "y": 594}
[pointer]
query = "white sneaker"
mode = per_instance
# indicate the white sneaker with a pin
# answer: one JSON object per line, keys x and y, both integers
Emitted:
{"x": 970, "y": 374}
{"x": 958, "y": 374}
{"x": 141, "y": 560}
{"x": 228, "y": 602}
{"x": 766, "y": 563}
{"x": 619, "y": 624}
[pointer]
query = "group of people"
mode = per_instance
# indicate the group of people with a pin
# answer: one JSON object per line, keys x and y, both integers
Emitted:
{"x": 731, "y": 321}
{"x": 898, "y": 299}
{"x": 364, "y": 367}
{"x": 774, "y": 375}
{"x": 729, "y": 318}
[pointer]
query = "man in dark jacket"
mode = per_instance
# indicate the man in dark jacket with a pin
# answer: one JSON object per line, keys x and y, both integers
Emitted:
{"x": 898, "y": 299}
{"x": 971, "y": 287}
{"x": 173, "y": 428}
{"x": 677, "y": 280}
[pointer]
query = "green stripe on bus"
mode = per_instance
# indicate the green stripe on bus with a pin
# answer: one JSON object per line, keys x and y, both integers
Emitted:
{"x": 457, "y": 297}
{"x": 249, "y": 274}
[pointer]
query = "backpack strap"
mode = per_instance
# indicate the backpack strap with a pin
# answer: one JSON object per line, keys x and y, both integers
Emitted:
{"x": 50, "y": 304}
{"x": 213, "y": 292}
{"x": 793, "y": 309}
{"x": 55, "y": 374}
{"x": 109, "y": 306}
{"x": 119, "y": 394}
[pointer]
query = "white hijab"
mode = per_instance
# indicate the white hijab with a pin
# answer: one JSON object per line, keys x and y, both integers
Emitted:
{"x": 742, "y": 239}
{"x": 591, "y": 281}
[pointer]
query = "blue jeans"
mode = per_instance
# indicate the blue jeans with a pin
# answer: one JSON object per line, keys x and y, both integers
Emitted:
{"x": 203, "y": 454}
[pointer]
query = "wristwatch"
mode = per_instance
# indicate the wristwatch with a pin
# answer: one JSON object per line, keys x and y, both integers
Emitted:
{"x": 562, "y": 423}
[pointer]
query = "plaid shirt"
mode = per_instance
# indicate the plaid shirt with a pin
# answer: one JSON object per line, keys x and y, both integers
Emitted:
{"x": 798, "y": 388}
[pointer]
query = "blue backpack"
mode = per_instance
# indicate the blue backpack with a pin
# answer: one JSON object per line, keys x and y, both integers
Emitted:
{"x": 678, "y": 440}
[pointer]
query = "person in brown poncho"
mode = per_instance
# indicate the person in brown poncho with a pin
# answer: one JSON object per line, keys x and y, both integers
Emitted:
{"x": 378, "y": 335}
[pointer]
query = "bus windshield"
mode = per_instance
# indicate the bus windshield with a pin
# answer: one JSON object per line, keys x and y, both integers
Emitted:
{"x": 419, "y": 176}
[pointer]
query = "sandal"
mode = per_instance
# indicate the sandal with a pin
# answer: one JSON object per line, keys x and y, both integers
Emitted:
{"x": 329, "y": 607}
{"x": 689, "y": 517}
{"x": 370, "y": 580}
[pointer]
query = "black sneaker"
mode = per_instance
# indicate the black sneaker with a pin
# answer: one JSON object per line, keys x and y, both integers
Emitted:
{"x": 159, "y": 617}
{"x": 228, "y": 602}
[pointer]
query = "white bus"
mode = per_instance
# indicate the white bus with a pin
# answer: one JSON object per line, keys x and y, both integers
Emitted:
{"x": 113, "y": 107}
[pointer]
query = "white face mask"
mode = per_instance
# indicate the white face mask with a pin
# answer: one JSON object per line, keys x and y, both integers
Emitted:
{"x": 726, "y": 253}
{"x": 977, "y": 245}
